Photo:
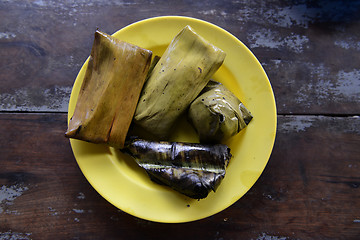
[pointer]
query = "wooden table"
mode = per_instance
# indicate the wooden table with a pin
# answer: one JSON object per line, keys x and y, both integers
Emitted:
{"x": 310, "y": 187}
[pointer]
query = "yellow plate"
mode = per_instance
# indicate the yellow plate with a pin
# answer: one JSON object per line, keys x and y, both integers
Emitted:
{"x": 117, "y": 177}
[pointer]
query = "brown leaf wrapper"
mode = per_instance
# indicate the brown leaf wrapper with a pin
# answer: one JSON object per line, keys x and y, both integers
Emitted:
{"x": 111, "y": 88}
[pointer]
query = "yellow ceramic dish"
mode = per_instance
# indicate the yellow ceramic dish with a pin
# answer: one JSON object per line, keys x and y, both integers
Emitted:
{"x": 117, "y": 177}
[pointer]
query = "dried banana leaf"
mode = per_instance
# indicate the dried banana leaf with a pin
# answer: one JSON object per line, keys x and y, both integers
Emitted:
{"x": 217, "y": 114}
{"x": 192, "y": 169}
{"x": 110, "y": 91}
{"x": 179, "y": 76}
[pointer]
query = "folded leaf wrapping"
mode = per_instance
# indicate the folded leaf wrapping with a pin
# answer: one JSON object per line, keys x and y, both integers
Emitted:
{"x": 192, "y": 169}
{"x": 217, "y": 114}
{"x": 110, "y": 91}
{"x": 179, "y": 76}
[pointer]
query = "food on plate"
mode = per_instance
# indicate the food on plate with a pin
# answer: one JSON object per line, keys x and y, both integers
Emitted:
{"x": 192, "y": 169}
{"x": 179, "y": 76}
{"x": 122, "y": 84}
{"x": 109, "y": 93}
{"x": 217, "y": 114}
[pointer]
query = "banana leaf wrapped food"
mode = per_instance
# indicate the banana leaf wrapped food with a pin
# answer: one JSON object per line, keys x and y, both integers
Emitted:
{"x": 217, "y": 114}
{"x": 192, "y": 169}
{"x": 179, "y": 76}
{"x": 109, "y": 93}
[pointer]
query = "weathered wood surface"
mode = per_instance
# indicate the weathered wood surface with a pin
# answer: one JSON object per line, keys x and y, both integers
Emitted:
{"x": 309, "y": 189}
{"x": 310, "y": 50}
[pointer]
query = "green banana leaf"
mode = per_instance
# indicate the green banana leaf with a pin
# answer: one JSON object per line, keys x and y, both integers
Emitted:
{"x": 217, "y": 114}
{"x": 179, "y": 76}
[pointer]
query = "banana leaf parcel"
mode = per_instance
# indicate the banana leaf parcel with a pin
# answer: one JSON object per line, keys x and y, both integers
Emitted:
{"x": 192, "y": 169}
{"x": 179, "y": 76}
{"x": 217, "y": 114}
{"x": 110, "y": 91}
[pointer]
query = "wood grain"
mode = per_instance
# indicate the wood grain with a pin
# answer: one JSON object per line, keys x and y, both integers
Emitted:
{"x": 309, "y": 189}
{"x": 310, "y": 51}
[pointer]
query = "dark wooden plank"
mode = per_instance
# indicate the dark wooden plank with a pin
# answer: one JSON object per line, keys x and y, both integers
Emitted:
{"x": 309, "y": 189}
{"x": 310, "y": 51}
{"x": 311, "y": 184}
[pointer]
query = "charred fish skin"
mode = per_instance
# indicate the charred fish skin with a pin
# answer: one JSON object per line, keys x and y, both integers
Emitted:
{"x": 190, "y": 168}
